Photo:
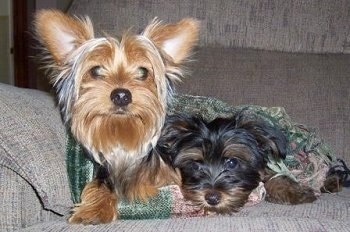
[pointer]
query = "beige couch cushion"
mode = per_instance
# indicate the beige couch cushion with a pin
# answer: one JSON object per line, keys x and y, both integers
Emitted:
{"x": 313, "y": 88}
{"x": 32, "y": 144}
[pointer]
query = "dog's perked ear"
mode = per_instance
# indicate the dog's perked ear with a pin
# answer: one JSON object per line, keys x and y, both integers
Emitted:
{"x": 176, "y": 40}
{"x": 270, "y": 138}
{"x": 61, "y": 36}
{"x": 60, "y": 33}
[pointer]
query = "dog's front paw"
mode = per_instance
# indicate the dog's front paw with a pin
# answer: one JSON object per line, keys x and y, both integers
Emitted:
{"x": 283, "y": 190}
{"x": 85, "y": 214}
{"x": 98, "y": 205}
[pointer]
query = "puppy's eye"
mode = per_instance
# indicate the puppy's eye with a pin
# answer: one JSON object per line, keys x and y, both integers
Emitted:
{"x": 96, "y": 72}
{"x": 142, "y": 73}
{"x": 231, "y": 163}
{"x": 196, "y": 166}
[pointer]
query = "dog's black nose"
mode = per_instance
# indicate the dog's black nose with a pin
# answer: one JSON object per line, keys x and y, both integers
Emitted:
{"x": 213, "y": 198}
{"x": 121, "y": 97}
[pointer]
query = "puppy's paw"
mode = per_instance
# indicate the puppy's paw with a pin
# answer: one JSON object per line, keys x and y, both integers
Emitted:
{"x": 332, "y": 184}
{"x": 98, "y": 205}
{"x": 283, "y": 190}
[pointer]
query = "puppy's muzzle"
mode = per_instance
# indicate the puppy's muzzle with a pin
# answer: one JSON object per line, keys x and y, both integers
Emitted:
{"x": 121, "y": 97}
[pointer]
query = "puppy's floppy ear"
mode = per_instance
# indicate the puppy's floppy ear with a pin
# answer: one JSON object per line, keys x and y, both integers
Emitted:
{"x": 60, "y": 33}
{"x": 178, "y": 130}
{"x": 270, "y": 138}
{"x": 176, "y": 40}
{"x": 176, "y": 127}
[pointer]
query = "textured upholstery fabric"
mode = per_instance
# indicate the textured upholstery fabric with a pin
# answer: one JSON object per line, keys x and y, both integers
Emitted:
{"x": 32, "y": 143}
{"x": 286, "y": 25}
{"x": 330, "y": 213}
{"x": 313, "y": 88}
{"x": 19, "y": 203}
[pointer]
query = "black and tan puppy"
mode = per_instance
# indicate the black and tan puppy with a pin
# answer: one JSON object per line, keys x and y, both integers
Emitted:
{"x": 221, "y": 162}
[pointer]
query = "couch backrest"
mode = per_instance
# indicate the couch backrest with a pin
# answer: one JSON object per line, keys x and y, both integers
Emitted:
{"x": 319, "y": 26}
{"x": 314, "y": 88}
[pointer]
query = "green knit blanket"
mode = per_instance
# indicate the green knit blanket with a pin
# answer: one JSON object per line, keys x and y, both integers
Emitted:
{"x": 308, "y": 158}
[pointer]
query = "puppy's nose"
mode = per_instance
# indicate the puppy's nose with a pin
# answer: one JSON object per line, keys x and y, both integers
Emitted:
{"x": 213, "y": 198}
{"x": 121, "y": 97}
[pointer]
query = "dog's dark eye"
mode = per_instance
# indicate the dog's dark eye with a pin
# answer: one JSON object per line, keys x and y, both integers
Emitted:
{"x": 196, "y": 166}
{"x": 96, "y": 72}
{"x": 231, "y": 163}
{"x": 142, "y": 73}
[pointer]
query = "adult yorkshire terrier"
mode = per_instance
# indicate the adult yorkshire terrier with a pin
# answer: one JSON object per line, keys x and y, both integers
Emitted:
{"x": 221, "y": 162}
{"x": 113, "y": 96}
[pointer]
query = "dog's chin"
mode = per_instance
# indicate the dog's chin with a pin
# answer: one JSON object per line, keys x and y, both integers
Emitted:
{"x": 120, "y": 129}
{"x": 121, "y": 111}
{"x": 124, "y": 113}
{"x": 221, "y": 208}
{"x": 231, "y": 201}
